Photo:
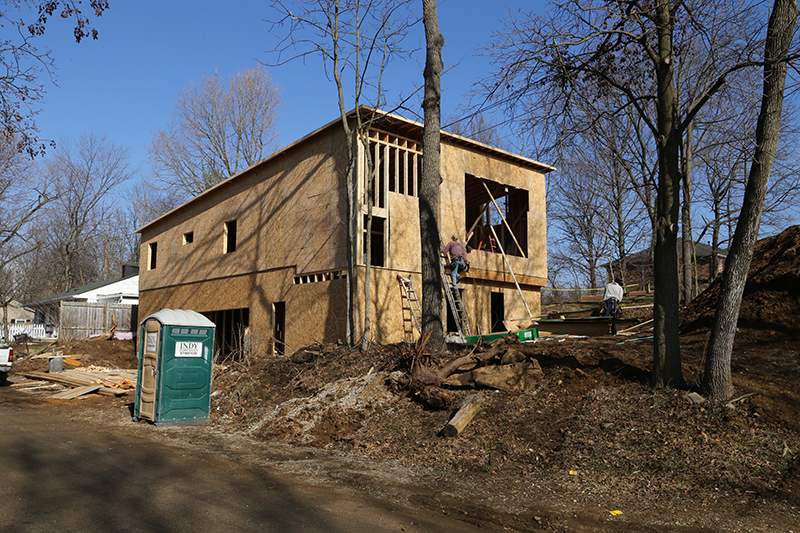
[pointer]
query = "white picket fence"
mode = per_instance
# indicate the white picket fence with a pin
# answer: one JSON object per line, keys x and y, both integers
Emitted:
{"x": 35, "y": 331}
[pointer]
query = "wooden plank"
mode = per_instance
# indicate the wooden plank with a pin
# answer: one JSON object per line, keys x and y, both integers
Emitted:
{"x": 637, "y": 326}
{"x": 74, "y": 393}
{"x": 592, "y": 327}
{"x": 66, "y": 379}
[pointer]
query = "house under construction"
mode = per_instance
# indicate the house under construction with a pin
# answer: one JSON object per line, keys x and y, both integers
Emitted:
{"x": 263, "y": 254}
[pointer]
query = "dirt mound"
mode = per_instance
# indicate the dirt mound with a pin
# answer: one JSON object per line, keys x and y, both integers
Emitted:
{"x": 771, "y": 298}
{"x": 114, "y": 353}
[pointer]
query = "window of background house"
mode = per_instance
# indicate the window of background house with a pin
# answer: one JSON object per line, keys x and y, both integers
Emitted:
{"x": 230, "y": 236}
{"x": 188, "y": 237}
{"x": 152, "y": 255}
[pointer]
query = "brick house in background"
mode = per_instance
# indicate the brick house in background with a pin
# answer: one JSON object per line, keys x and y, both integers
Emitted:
{"x": 265, "y": 250}
{"x": 639, "y": 267}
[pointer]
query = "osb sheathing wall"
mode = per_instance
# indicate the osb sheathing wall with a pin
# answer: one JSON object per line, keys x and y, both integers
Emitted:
{"x": 289, "y": 213}
{"x": 489, "y": 270}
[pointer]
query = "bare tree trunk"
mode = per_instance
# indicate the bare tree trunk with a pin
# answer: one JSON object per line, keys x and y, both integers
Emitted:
{"x": 687, "y": 244}
{"x": 666, "y": 348}
{"x": 369, "y": 169}
{"x": 431, "y": 179}
{"x": 717, "y": 378}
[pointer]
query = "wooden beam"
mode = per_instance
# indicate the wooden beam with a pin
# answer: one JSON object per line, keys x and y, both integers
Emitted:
{"x": 469, "y": 233}
{"x": 530, "y": 315}
{"x": 499, "y": 212}
{"x": 469, "y": 408}
{"x": 74, "y": 393}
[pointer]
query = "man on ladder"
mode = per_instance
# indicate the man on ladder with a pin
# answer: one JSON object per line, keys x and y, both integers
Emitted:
{"x": 458, "y": 259}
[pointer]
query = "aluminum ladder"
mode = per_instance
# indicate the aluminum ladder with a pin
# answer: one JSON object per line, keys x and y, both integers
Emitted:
{"x": 412, "y": 313}
{"x": 456, "y": 304}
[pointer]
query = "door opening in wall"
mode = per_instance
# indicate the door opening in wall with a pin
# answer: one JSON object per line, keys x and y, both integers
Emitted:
{"x": 231, "y": 339}
{"x": 279, "y": 328}
{"x": 498, "y": 311}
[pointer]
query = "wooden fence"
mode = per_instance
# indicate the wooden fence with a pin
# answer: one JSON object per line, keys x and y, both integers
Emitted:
{"x": 80, "y": 320}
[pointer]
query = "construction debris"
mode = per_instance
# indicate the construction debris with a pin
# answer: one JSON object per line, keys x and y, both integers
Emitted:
{"x": 109, "y": 382}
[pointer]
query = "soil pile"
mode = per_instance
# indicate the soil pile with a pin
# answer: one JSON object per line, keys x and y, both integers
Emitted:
{"x": 771, "y": 298}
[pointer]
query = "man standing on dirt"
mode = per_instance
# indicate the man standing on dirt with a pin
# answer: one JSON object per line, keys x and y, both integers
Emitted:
{"x": 457, "y": 259}
{"x": 612, "y": 297}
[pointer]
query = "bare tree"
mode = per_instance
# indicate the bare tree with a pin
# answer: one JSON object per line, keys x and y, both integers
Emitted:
{"x": 431, "y": 178}
{"x": 717, "y": 377}
{"x": 547, "y": 65}
{"x": 22, "y": 199}
{"x": 23, "y": 63}
{"x": 85, "y": 172}
{"x": 218, "y": 128}
{"x": 358, "y": 39}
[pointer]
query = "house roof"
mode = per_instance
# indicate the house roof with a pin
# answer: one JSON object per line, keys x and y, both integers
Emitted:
{"x": 643, "y": 257}
{"x": 77, "y": 291}
{"x": 403, "y": 126}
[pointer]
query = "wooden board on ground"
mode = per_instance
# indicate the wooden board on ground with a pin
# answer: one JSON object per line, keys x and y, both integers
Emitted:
{"x": 73, "y": 378}
{"x": 464, "y": 416}
{"x": 74, "y": 393}
{"x": 592, "y": 327}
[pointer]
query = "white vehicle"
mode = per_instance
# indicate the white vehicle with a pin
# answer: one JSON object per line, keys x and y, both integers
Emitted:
{"x": 6, "y": 358}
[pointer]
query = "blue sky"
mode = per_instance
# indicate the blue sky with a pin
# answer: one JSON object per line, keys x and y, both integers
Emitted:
{"x": 124, "y": 84}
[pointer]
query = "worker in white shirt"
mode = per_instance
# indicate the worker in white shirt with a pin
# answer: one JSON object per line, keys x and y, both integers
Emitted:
{"x": 612, "y": 297}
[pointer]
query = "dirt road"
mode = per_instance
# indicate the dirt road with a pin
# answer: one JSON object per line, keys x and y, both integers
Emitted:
{"x": 71, "y": 469}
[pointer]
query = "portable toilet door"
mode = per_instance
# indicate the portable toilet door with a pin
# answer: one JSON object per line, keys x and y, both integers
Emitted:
{"x": 175, "y": 365}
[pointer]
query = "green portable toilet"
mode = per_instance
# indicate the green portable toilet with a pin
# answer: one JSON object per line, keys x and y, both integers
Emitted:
{"x": 176, "y": 349}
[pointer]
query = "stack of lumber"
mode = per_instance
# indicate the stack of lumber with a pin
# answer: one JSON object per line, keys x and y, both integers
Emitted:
{"x": 105, "y": 382}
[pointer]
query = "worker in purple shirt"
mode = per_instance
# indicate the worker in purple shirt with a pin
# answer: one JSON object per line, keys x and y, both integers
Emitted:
{"x": 457, "y": 259}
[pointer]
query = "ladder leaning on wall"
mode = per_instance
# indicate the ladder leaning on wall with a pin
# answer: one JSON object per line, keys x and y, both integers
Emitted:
{"x": 456, "y": 304}
{"x": 412, "y": 314}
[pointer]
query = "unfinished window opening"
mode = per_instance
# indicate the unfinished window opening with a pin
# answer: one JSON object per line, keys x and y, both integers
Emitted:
{"x": 231, "y": 338}
{"x": 188, "y": 237}
{"x": 229, "y": 244}
{"x": 397, "y": 165}
{"x": 495, "y": 206}
{"x": 152, "y": 255}
{"x": 377, "y": 249}
{"x": 498, "y": 311}
{"x": 279, "y": 328}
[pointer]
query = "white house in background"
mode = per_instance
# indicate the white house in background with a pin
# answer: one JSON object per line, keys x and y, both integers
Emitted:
{"x": 18, "y": 314}
{"x": 123, "y": 290}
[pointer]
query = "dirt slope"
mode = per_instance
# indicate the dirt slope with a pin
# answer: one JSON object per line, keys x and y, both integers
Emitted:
{"x": 771, "y": 298}
{"x": 591, "y": 437}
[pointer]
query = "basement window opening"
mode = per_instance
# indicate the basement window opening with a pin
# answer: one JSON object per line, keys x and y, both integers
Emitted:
{"x": 232, "y": 336}
{"x": 491, "y": 205}
{"x": 318, "y": 277}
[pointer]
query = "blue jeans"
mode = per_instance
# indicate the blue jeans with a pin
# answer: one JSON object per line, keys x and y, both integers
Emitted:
{"x": 612, "y": 310}
{"x": 456, "y": 266}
